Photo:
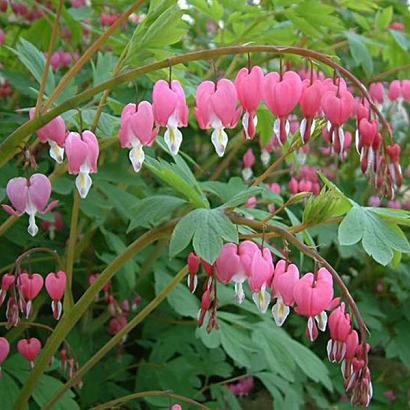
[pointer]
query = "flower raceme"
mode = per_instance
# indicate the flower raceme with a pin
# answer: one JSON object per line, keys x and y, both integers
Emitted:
{"x": 216, "y": 108}
{"x": 170, "y": 111}
{"x": 137, "y": 130}
{"x": 82, "y": 154}
{"x": 55, "y": 134}
{"x": 29, "y": 196}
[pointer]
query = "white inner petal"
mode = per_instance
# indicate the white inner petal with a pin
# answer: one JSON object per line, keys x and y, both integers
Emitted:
{"x": 56, "y": 152}
{"x": 83, "y": 181}
{"x": 219, "y": 139}
{"x": 173, "y": 139}
{"x": 280, "y": 312}
{"x": 136, "y": 156}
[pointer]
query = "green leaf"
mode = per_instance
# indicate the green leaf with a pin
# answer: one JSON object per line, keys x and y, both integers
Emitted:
{"x": 241, "y": 197}
{"x": 180, "y": 178}
{"x": 183, "y": 233}
{"x": 379, "y": 238}
{"x": 351, "y": 228}
{"x": 383, "y": 18}
{"x": 9, "y": 390}
{"x": 401, "y": 39}
{"x": 359, "y": 51}
{"x": 153, "y": 210}
{"x": 181, "y": 299}
{"x": 207, "y": 228}
{"x": 35, "y": 62}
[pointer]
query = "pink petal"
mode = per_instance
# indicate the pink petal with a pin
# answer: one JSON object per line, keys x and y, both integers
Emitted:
{"x": 39, "y": 191}
{"x": 17, "y": 192}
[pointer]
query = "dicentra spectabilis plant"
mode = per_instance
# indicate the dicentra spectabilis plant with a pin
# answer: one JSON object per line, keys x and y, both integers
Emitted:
{"x": 260, "y": 235}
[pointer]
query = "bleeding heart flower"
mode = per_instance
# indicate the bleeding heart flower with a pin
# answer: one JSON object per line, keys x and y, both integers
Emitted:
{"x": 193, "y": 268}
{"x": 310, "y": 103}
{"x": 281, "y": 95}
{"x": 82, "y": 155}
{"x": 393, "y": 151}
{"x": 283, "y": 283}
{"x": 6, "y": 281}
{"x": 313, "y": 294}
{"x": 29, "y": 349}
{"x": 29, "y": 287}
{"x": 55, "y": 134}
{"x": 394, "y": 90}
{"x": 29, "y": 196}
{"x": 338, "y": 107}
{"x": 216, "y": 107}
{"x": 376, "y": 91}
{"x": 55, "y": 286}
{"x": 4, "y": 350}
{"x": 248, "y": 163}
{"x": 260, "y": 277}
{"x": 137, "y": 130}
{"x": 340, "y": 326}
{"x": 249, "y": 86}
{"x": 405, "y": 89}
{"x": 365, "y": 137}
{"x": 170, "y": 111}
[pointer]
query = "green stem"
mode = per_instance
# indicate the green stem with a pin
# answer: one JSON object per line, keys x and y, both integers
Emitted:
{"x": 114, "y": 341}
{"x": 50, "y": 50}
{"x": 154, "y": 393}
{"x": 68, "y": 297}
{"x": 5, "y": 226}
{"x": 11, "y": 145}
{"x": 90, "y": 52}
{"x": 69, "y": 319}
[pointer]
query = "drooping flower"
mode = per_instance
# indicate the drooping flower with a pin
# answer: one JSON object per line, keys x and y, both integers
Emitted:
{"x": 193, "y": 268}
{"x": 170, "y": 111}
{"x": 6, "y": 281}
{"x": 376, "y": 91}
{"x": 260, "y": 277}
{"x": 29, "y": 287}
{"x": 310, "y": 103}
{"x": 137, "y": 130}
{"x": 55, "y": 286}
{"x": 248, "y": 163}
{"x": 56, "y": 225}
{"x": 29, "y": 349}
{"x": 366, "y": 136}
{"x": 405, "y": 90}
{"x": 394, "y": 90}
{"x": 313, "y": 294}
{"x": 338, "y": 107}
{"x": 4, "y": 350}
{"x": 29, "y": 196}
{"x": 281, "y": 95}
{"x": 352, "y": 344}
{"x": 82, "y": 155}
{"x": 393, "y": 151}
{"x": 283, "y": 284}
{"x": 340, "y": 326}
{"x": 216, "y": 107}
{"x": 249, "y": 84}
{"x": 55, "y": 134}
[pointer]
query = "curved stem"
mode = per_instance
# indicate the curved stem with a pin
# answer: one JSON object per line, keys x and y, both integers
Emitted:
{"x": 68, "y": 296}
{"x": 114, "y": 341}
{"x": 12, "y": 143}
{"x": 7, "y": 224}
{"x": 154, "y": 393}
{"x": 69, "y": 319}
{"x": 50, "y": 50}
{"x": 90, "y": 52}
{"x": 314, "y": 255}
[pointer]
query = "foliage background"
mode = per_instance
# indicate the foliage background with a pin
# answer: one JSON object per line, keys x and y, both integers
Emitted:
{"x": 168, "y": 352}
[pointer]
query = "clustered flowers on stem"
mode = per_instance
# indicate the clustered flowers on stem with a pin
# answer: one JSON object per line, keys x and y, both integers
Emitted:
{"x": 310, "y": 295}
